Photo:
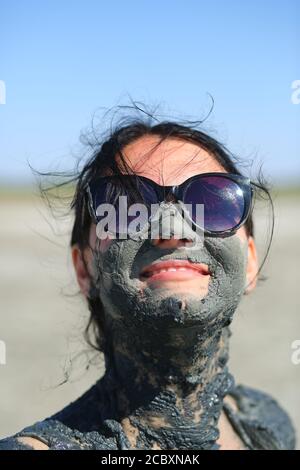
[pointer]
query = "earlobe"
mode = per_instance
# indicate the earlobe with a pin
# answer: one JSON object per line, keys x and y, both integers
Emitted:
{"x": 252, "y": 266}
{"x": 81, "y": 270}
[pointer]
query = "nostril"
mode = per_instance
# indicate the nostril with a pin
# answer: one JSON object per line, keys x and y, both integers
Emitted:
{"x": 171, "y": 242}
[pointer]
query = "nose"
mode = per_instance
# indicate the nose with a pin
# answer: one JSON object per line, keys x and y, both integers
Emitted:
{"x": 170, "y": 229}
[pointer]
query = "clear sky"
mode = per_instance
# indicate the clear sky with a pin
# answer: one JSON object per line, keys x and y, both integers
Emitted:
{"x": 61, "y": 60}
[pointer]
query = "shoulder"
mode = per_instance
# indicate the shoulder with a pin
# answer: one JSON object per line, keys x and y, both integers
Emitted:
{"x": 88, "y": 411}
{"x": 54, "y": 435}
{"x": 261, "y": 421}
{"x": 22, "y": 443}
{"x": 80, "y": 425}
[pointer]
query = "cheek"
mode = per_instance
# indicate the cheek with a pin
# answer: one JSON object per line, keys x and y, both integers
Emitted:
{"x": 242, "y": 234}
{"x": 102, "y": 245}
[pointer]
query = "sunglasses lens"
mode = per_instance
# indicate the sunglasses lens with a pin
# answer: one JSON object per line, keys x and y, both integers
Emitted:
{"x": 223, "y": 201}
{"x": 126, "y": 215}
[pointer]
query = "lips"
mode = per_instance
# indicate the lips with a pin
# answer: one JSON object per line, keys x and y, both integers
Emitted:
{"x": 173, "y": 270}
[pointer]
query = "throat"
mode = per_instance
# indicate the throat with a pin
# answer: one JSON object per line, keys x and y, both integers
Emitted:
{"x": 170, "y": 399}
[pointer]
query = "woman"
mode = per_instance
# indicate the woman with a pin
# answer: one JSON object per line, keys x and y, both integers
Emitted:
{"x": 161, "y": 306}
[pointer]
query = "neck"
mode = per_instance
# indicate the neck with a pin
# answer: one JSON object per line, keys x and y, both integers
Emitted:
{"x": 167, "y": 390}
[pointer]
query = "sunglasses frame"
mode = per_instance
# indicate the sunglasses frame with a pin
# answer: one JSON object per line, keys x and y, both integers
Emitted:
{"x": 178, "y": 192}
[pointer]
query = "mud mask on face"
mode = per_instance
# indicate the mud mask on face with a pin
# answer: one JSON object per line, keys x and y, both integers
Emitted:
{"x": 156, "y": 320}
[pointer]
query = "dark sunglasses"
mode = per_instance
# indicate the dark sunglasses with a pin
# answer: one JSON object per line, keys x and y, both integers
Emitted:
{"x": 226, "y": 197}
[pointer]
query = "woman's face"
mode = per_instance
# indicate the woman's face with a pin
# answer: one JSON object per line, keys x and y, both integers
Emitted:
{"x": 171, "y": 163}
{"x": 205, "y": 297}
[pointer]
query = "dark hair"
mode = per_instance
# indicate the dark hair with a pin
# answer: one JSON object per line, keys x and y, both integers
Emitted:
{"x": 104, "y": 158}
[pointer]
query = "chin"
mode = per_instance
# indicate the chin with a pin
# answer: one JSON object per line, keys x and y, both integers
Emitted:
{"x": 189, "y": 287}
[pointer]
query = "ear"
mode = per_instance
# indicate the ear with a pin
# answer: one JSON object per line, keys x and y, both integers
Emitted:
{"x": 252, "y": 266}
{"x": 81, "y": 269}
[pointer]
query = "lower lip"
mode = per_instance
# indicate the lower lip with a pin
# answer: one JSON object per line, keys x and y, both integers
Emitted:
{"x": 177, "y": 275}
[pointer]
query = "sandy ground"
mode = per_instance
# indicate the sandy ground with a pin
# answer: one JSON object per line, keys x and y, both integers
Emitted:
{"x": 42, "y": 317}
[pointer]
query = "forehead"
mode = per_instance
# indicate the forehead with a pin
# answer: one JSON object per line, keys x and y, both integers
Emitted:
{"x": 169, "y": 162}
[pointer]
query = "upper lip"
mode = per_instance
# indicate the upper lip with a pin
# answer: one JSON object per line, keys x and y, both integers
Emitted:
{"x": 175, "y": 263}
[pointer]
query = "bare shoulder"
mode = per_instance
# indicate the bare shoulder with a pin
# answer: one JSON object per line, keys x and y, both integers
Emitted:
{"x": 55, "y": 435}
{"x": 229, "y": 438}
{"x": 32, "y": 442}
{"x": 22, "y": 443}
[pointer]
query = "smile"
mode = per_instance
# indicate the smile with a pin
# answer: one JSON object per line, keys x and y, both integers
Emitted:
{"x": 175, "y": 270}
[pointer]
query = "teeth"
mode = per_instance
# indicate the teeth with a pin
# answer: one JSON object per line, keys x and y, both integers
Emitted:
{"x": 167, "y": 270}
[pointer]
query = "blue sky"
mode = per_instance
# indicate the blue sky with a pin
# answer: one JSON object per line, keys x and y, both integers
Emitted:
{"x": 61, "y": 60}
